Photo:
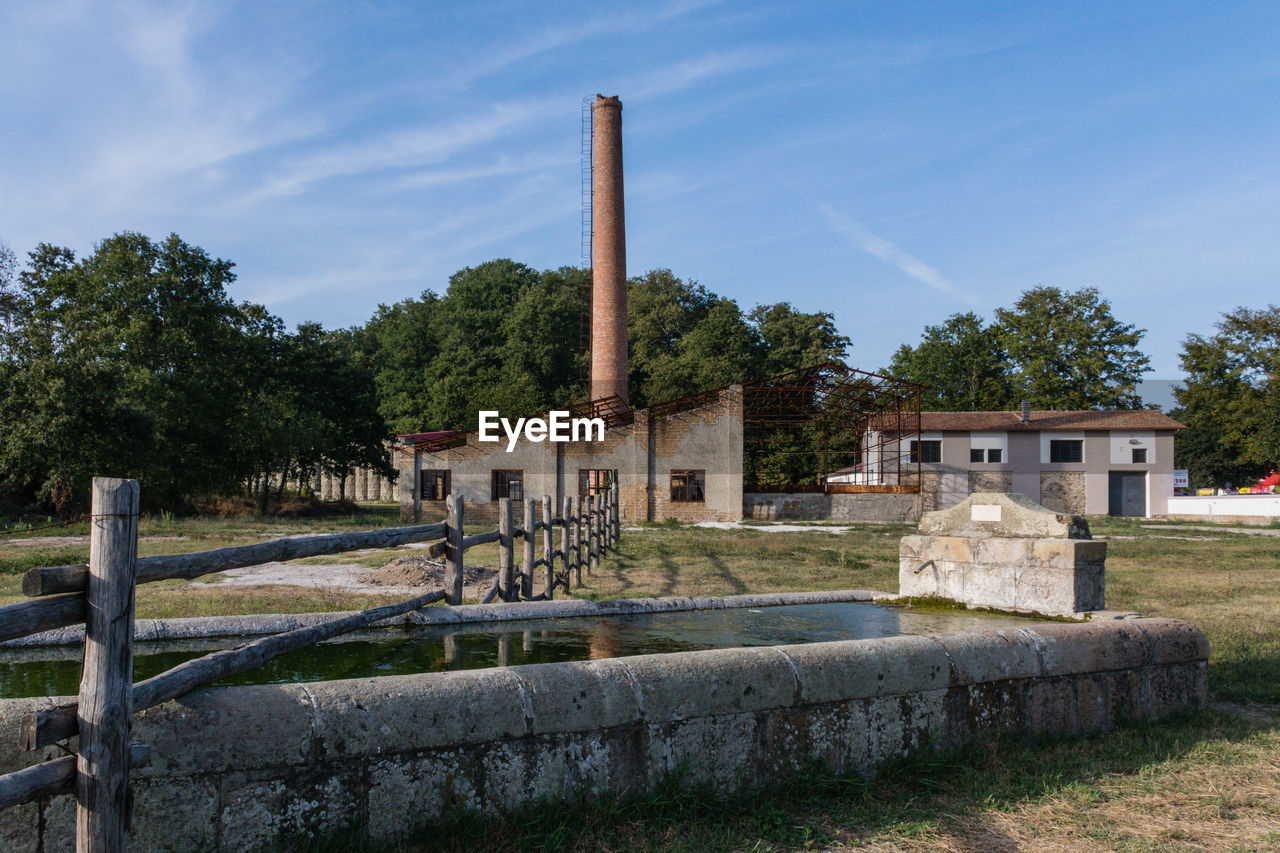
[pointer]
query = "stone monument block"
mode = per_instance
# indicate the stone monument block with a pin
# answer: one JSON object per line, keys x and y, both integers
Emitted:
{"x": 1006, "y": 552}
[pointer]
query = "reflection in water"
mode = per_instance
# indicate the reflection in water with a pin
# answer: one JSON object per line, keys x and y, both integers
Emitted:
{"x": 401, "y": 651}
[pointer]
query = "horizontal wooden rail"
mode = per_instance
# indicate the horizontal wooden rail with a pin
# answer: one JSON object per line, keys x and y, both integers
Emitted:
{"x": 439, "y": 548}
{"x": 58, "y": 579}
{"x": 43, "y": 614}
{"x": 42, "y": 728}
{"x": 51, "y": 778}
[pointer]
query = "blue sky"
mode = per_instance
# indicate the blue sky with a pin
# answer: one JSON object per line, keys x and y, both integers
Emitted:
{"x": 890, "y": 163}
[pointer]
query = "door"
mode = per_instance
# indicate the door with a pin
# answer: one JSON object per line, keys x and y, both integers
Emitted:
{"x": 1127, "y": 493}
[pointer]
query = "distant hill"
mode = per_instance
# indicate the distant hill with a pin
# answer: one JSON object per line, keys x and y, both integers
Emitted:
{"x": 1159, "y": 392}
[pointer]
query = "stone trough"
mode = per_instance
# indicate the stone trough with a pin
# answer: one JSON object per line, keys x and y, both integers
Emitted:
{"x": 233, "y": 768}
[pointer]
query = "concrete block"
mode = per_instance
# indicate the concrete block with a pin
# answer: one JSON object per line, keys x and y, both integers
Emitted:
{"x": 993, "y": 655}
{"x": 719, "y": 681}
{"x": 579, "y": 695}
{"x": 1067, "y": 649}
{"x": 174, "y": 813}
{"x": 401, "y": 787}
{"x": 837, "y": 735}
{"x": 20, "y": 828}
{"x": 1050, "y": 591}
{"x": 858, "y": 669}
{"x": 1002, "y": 551}
{"x": 1173, "y": 689}
{"x": 1051, "y": 706}
{"x": 715, "y": 749}
{"x": 1001, "y": 514}
{"x": 995, "y": 708}
{"x": 257, "y": 810}
{"x": 212, "y": 730}
{"x": 1068, "y": 553}
{"x": 1174, "y": 641}
{"x": 1093, "y": 703}
{"x": 1127, "y": 696}
{"x": 371, "y": 716}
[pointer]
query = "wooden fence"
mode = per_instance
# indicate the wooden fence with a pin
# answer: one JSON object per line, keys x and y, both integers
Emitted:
{"x": 101, "y": 595}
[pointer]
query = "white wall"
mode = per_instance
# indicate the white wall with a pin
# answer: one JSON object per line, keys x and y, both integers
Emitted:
{"x": 1254, "y": 506}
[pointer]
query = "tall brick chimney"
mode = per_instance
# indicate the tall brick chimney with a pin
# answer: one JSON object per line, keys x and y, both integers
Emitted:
{"x": 608, "y": 253}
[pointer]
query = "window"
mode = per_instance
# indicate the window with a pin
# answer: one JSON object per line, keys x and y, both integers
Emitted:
{"x": 594, "y": 481}
{"x": 995, "y": 454}
{"x": 1066, "y": 450}
{"x": 991, "y": 454}
{"x": 688, "y": 486}
{"x": 508, "y": 484}
{"x": 1139, "y": 456}
{"x": 926, "y": 451}
{"x": 434, "y": 485}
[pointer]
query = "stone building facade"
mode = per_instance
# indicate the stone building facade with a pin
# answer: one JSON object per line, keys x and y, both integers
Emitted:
{"x": 1081, "y": 462}
{"x": 686, "y": 465}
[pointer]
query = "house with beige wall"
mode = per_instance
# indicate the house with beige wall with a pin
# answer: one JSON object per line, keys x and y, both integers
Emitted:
{"x": 1086, "y": 462}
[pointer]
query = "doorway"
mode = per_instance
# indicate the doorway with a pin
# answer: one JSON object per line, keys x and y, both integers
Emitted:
{"x": 1127, "y": 493}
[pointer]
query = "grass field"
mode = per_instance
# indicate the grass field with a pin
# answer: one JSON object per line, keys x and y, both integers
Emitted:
{"x": 1210, "y": 782}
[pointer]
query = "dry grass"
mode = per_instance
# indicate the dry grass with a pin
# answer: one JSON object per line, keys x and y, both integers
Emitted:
{"x": 1211, "y": 782}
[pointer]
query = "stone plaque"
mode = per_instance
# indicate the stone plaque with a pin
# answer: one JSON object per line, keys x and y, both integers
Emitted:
{"x": 984, "y": 512}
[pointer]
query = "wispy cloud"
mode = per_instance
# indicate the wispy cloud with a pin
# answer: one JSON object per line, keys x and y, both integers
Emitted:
{"x": 873, "y": 244}
{"x": 631, "y": 21}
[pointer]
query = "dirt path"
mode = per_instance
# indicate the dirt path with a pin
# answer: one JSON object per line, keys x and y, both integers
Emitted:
{"x": 405, "y": 574}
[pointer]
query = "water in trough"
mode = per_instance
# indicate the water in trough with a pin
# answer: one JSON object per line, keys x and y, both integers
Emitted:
{"x": 401, "y": 651}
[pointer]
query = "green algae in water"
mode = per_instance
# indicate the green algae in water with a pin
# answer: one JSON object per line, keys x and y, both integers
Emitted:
{"x": 404, "y": 651}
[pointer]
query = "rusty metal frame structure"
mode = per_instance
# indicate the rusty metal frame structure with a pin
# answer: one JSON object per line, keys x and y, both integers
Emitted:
{"x": 800, "y": 426}
{"x": 797, "y": 428}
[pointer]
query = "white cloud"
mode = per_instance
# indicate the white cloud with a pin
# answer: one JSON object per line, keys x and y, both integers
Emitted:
{"x": 873, "y": 244}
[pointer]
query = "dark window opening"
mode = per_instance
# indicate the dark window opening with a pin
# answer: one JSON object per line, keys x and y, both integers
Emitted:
{"x": 1066, "y": 450}
{"x": 508, "y": 484}
{"x": 434, "y": 485}
{"x": 1140, "y": 455}
{"x": 688, "y": 486}
{"x": 926, "y": 451}
{"x": 976, "y": 454}
{"x": 995, "y": 454}
{"x": 594, "y": 481}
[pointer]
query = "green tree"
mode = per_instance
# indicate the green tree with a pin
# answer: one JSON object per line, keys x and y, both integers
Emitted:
{"x": 961, "y": 365}
{"x": 684, "y": 339}
{"x": 1230, "y": 401}
{"x": 1066, "y": 350}
{"x": 788, "y": 339}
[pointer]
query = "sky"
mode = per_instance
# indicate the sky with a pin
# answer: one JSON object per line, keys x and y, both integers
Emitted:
{"x": 889, "y": 163}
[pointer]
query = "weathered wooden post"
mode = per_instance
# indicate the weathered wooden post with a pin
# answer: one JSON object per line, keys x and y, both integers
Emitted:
{"x": 617, "y": 515}
{"x": 106, "y": 682}
{"x": 548, "y": 560}
{"x": 506, "y": 551}
{"x": 453, "y": 555}
{"x": 592, "y": 533}
{"x": 577, "y": 539}
{"x": 526, "y": 570}
{"x": 566, "y": 509}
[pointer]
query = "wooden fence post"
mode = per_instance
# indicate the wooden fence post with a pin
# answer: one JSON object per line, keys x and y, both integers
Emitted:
{"x": 106, "y": 683}
{"x": 548, "y": 561}
{"x": 526, "y": 570}
{"x": 592, "y": 532}
{"x": 566, "y": 509}
{"x": 454, "y": 553}
{"x": 617, "y": 516}
{"x": 577, "y": 539}
{"x": 506, "y": 552}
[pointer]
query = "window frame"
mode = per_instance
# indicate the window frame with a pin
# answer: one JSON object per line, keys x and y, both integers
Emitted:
{"x": 1060, "y": 444}
{"x": 694, "y": 487}
{"x": 500, "y": 481}
{"x": 1136, "y": 453}
{"x": 591, "y": 483}
{"x": 916, "y": 451}
{"x": 437, "y": 476}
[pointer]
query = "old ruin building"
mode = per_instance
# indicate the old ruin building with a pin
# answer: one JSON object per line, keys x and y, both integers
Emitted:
{"x": 755, "y": 448}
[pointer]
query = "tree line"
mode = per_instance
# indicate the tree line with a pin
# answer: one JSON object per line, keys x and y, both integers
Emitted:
{"x": 135, "y": 361}
{"x": 1066, "y": 350}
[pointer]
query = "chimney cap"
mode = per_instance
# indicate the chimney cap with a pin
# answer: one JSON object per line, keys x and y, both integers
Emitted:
{"x": 606, "y": 101}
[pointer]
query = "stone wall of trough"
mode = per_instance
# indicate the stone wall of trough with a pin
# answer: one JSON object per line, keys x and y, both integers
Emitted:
{"x": 235, "y": 767}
